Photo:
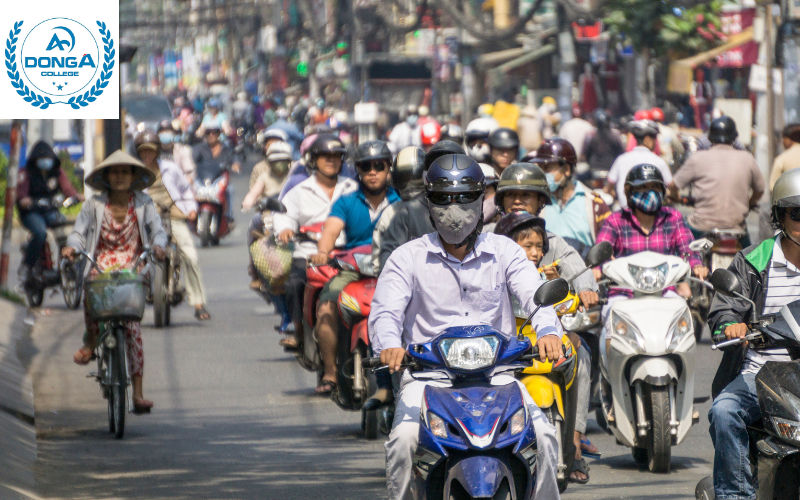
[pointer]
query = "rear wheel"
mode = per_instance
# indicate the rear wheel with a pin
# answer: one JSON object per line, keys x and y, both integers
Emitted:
{"x": 160, "y": 299}
{"x": 639, "y": 455}
{"x": 204, "y": 228}
{"x": 659, "y": 439}
{"x": 35, "y": 296}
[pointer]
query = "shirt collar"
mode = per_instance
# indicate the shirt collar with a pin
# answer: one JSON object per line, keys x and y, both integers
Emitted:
{"x": 433, "y": 244}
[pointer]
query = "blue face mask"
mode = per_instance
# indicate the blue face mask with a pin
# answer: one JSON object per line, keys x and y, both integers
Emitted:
{"x": 45, "y": 163}
{"x": 552, "y": 184}
{"x": 648, "y": 202}
{"x": 166, "y": 138}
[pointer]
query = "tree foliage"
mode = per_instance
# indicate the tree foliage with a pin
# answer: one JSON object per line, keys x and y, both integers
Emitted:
{"x": 666, "y": 27}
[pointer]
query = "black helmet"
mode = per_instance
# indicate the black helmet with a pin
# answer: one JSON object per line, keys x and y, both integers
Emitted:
{"x": 165, "y": 125}
{"x": 516, "y": 221}
{"x": 644, "y": 173}
{"x": 504, "y": 138}
{"x": 453, "y": 133}
{"x": 722, "y": 130}
{"x": 601, "y": 119}
{"x": 147, "y": 138}
{"x": 407, "y": 170}
{"x": 522, "y": 177}
{"x": 372, "y": 151}
{"x": 454, "y": 173}
{"x": 643, "y": 128}
{"x": 442, "y": 148}
{"x": 325, "y": 144}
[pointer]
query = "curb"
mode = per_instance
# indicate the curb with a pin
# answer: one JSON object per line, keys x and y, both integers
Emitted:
{"x": 17, "y": 431}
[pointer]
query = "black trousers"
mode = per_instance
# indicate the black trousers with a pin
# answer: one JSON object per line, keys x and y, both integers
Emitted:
{"x": 295, "y": 287}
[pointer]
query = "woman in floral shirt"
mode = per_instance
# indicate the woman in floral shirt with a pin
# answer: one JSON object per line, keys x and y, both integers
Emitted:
{"x": 114, "y": 227}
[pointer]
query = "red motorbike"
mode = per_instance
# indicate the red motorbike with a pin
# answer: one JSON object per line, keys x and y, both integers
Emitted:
{"x": 212, "y": 224}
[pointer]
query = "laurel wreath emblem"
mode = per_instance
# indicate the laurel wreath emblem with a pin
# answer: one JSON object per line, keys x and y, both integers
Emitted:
{"x": 44, "y": 102}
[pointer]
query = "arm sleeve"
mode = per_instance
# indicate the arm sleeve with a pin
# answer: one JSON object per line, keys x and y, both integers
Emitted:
{"x": 339, "y": 209}
{"x": 523, "y": 280}
{"x": 155, "y": 228}
{"x": 685, "y": 175}
{"x": 758, "y": 183}
{"x": 613, "y": 173}
{"x": 66, "y": 186}
{"x": 395, "y": 235}
{"x": 683, "y": 237}
{"x": 288, "y": 220}
{"x": 389, "y": 304}
{"x": 77, "y": 238}
{"x": 728, "y": 310}
{"x": 609, "y": 233}
{"x": 23, "y": 184}
{"x": 665, "y": 172}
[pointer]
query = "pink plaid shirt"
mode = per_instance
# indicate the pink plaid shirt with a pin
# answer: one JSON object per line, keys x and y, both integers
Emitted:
{"x": 670, "y": 235}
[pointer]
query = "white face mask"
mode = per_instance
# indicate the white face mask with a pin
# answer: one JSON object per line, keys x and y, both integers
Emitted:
{"x": 480, "y": 152}
{"x": 455, "y": 222}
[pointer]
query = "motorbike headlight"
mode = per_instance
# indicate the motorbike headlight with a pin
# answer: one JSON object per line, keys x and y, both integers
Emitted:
{"x": 580, "y": 321}
{"x": 517, "y": 422}
{"x": 110, "y": 341}
{"x": 470, "y": 354}
{"x": 366, "y": 265}
{"x": 563, "y": 307}
{"x": 787, "y": 429}
{"x": 680, "y": 328}
{"x": 649, "y": 279}
{"x": 437, "y": 425}
{"x": 626, "y": 331}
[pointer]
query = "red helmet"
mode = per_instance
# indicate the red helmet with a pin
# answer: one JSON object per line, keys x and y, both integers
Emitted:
{"x": 430, "y": 132}
{"x": 643, "y": 114}
{"x": 657, "y": 114}
{"x": 557, "y": 150}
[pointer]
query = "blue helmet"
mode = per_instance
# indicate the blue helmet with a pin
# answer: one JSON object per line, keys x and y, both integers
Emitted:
{"x": 214, "y": 103}
{"x": 454, "y": 173}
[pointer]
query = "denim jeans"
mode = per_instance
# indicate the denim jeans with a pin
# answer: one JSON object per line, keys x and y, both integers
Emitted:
{"x": 735, "y": 408}
{"x": 37, "y": 223}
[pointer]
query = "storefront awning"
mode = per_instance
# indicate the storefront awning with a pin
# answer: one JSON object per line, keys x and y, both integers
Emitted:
{"x": 681, "y": 72}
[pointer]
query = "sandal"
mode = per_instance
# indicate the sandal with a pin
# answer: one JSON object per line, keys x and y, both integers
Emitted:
{"x": 325, "y": 387}
{"x": 289, "y": 343}
{"x": 83, "y": 356}
{"x": 201, "y": 314}
{"x": 579, "y": 466}
{"x": 141, "y": 406}
{"x": 585, "y": 445}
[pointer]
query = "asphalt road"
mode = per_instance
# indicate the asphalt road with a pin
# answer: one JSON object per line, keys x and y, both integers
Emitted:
{"x": 236, "y": 417}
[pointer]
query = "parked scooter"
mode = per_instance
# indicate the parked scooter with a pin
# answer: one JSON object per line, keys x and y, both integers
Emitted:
{"x": 52, "y": 270}
{"x": 211, "y": 224}
{"x": 476, "y": 440}
{"x": 647, "y": 358}
{"x": 775, "y": 439}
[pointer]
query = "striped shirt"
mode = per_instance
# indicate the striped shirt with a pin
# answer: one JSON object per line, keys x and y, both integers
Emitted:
{"x": 783, "y": 286}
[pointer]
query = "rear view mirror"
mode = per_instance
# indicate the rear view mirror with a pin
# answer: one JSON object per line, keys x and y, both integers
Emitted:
{"x": 725, "y": 282}
{"x": 599, "y": 254}
{"x": 551, "y": 292}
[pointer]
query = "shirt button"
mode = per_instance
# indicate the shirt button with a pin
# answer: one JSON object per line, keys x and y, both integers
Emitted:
{"x": 465, "y": 289}
{"x": 466, "y": 314}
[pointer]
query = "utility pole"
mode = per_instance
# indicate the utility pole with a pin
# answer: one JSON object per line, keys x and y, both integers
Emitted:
{"x": 11, "y": 191}
{"x": 768, "y": 53}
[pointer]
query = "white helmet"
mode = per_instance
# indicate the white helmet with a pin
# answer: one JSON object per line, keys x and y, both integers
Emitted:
{"x": 489, "y": 175}
{"x": 278, "y": 151}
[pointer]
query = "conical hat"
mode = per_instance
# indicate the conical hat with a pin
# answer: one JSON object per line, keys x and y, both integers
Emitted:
{"x": 142, "y": 176}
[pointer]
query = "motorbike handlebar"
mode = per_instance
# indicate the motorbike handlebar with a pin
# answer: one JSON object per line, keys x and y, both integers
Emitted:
{"x": 534, "y": 353}
{"x": 371, "y": 362}
{"x": 718, "y": 338}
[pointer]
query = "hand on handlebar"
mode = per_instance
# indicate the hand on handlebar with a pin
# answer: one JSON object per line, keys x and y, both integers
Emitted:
{"x": 393, "y": 358}
{"x": 319, "y": 259}
{"x": 286, "y": 236}
{"x": 159, "y": 252}
{"x": 701, "y": 272}
{"x": 736, "y": 331}
{"x": 68, "y": 253}
{"x": 236, "y": 168}
{"x": 589, "y": 298}
{"x": 550, "y": 348}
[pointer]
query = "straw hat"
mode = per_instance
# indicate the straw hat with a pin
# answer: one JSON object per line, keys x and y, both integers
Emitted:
{"x": 142, "y": 176}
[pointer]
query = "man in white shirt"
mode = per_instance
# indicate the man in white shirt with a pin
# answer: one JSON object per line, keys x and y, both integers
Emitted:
{"x": 576, "y": 131}
{"x": 307, "y": 204}
{"x": 645, "y": 132}
{"x": 455, "y": 277}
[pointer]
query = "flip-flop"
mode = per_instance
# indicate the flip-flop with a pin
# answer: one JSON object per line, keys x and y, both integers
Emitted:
{"x": 85, "y": 358}
{"x": 586, "y": 453}
{"x": 200, "y": 313}
{"x": 579, "y": 466}
{"x": 142, "y": 406}
{"x": 324, "y": 388}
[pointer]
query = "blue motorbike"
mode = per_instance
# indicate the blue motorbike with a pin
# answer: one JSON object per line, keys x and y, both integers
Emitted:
{"x": 476, "y": 440}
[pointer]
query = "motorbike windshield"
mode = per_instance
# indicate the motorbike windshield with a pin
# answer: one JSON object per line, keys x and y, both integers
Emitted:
{"x": 778, "y": 388}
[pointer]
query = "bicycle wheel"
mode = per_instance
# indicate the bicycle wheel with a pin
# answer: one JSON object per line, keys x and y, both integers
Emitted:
{"x": 119, "y": 383}
{"x": 160, "y": 299}
{"x": 72, "y": 284}
{"x": 108, "y": 356}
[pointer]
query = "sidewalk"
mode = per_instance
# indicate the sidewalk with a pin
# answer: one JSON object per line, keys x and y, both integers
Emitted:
{"x": 17, "y": 433}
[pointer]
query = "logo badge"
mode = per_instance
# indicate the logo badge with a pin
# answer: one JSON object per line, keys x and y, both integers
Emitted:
{"x": 63, "y": 64}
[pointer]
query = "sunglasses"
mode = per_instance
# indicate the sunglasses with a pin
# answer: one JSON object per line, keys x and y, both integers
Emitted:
{"x": 794, "y": 214}
{"x": 444, "y": 199}
{"x": 366, "y": 167}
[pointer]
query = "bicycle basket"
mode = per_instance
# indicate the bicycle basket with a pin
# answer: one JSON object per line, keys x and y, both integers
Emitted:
{"x": 272, "y": 261}
{"x": 116, "y": 295}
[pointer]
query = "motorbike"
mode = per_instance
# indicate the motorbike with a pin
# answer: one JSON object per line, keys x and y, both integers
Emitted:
{"x": 775, "y": 439}
{"x": 166, "y": 288}
{"x": 115, "y": 298}
{"x": 52, "y": 270}
{"x": 355, "y": 382}
{"x": 212, "y": 224}
{"x": 647, "y": 359}
{"x": 476, "y": 440}
{"x": 549, "y": 383}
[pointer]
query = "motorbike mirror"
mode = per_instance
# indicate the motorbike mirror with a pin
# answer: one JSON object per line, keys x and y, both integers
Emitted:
{"x": 701, "y": 245}
{"x": 551, "y": 292}
{"x": 725, "y": 282}
{"x": 599, "y": 254}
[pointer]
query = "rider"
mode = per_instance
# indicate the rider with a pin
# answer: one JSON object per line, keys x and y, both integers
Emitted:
{"x": 476, "y": 140}
{"x": 504, "y": 145}
{"x": 576, "y": 212}
{"x": 173, "y": 197}
{"x": 452, "y": 132}
{"x": 645, "y": 132}
{"x": 356, "y": 214}
{"x": 215, "y": 119}
{"x": 430, "y": 133}
{"x": 455, "y": 276}
{"x": 41, "y": 179}
{"x": 172, "y": 149}
{"x": 269, "y": 138}
{"x": 726, "y": 183}
{"x": 307, "y": 204}
{"x": 770, "y": 276}
{"x": 604, "y": 147}
{"x": 211, "y": 158}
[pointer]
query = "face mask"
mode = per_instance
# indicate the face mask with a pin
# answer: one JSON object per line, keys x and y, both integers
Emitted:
{"x": 456, "y": 222}
{"x": 412, "y": 120}
{"x": 166, "y": 138}
{"x": 648, "y": 202}
{"x": 552, "y": 184}
{"x": 279, "y": 167}
{"x": 45, "y": 163}
{"x": 480, "y": 152}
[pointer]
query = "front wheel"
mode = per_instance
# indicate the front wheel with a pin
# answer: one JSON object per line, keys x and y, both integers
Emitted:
{"x": 119, "y": 385}
{"x": 204, "y": 228}
{"x": 72, "y": 284}
{"x": 160, "y": 299}
{"x": 659, "y": 439}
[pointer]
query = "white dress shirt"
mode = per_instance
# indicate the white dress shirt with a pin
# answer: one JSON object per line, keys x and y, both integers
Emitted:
{"x": 422, "y": 290}
{"x": 626, "y": 161}
{"x": 177, "y": 186}
{"x": 308, "y": 204}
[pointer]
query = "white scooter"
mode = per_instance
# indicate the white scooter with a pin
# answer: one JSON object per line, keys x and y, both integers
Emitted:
{"x": 647, "y": 358}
